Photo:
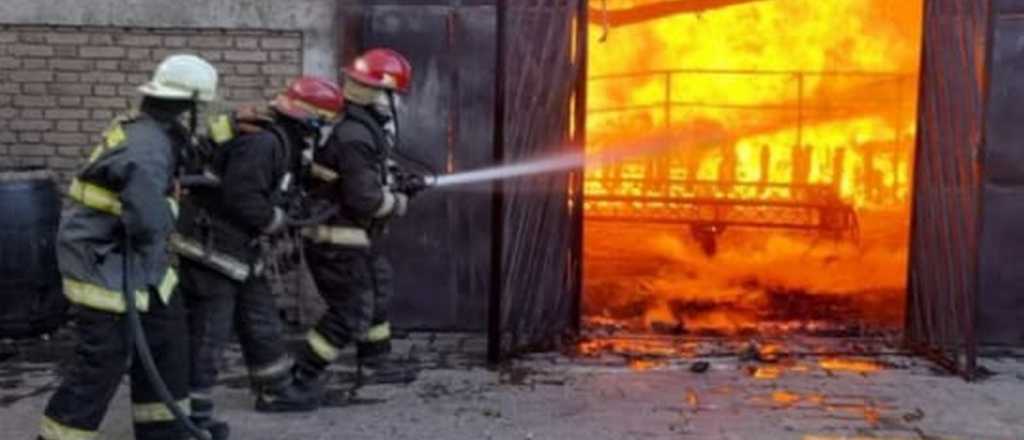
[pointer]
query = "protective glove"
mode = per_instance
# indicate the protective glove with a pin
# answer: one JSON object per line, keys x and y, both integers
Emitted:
{"x": 401, "y": 204}
{"x": 410, "y": 184}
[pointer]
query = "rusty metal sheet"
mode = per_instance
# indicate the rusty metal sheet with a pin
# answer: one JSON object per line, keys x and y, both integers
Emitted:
{"x": 942, "y": 281}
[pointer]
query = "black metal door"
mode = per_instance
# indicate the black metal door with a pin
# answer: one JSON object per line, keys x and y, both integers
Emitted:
{"x": 441, "y": 249}
{"x": 452, "y": 252}
{"x": 1001, "y": 280}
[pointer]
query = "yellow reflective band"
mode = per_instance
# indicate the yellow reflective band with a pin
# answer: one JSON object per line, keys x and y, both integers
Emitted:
{"x": 338, "y": 235}
{"x": 379, "y": 332}
{"x": 167, "y": 285}
{"x": 101, "y": 298}
{"x": 97, "y": 152}
{"x": 200, "y": 395}
{"x": 157, "y": 412}
{"x": 223, "y": 263}
{"x": 321, "y": 347}
{"x": 174, "y": 207}
{"x": 221, "y": 129}
{"x": 95, "y": 197}
{"x": 53, "y": 430}
{"x": 323, "y": 173}
{"x": 114, "y": 136}
{"x": 273, "y": 369}
{"x": 387, "y": 205}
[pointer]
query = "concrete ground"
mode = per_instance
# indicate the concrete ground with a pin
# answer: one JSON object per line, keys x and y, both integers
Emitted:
{"x": 757, "y": 392}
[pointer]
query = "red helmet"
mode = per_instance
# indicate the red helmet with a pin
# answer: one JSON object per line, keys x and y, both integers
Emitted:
{"x": 310, "y": 98}
{"x": 382, "y": 69}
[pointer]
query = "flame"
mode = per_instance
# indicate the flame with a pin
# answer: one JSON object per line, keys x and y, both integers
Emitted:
{"x": 768, "y": 372}
{"x": 785, "y": 398}
{"x": 770, "y": 352}
{"x": 863, "y": 366}
{"x": 645, "y": 364}
{"x": 809, "y": 92}
{"x": 636, "y": 348}
{"x": 832, "y": 76}
{"x": 692, "y": 399}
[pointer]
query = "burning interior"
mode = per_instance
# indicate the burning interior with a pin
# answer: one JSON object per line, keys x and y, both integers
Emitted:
{"x": 796, "y": 221}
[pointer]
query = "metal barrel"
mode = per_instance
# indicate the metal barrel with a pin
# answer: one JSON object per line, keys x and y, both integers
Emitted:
{"x": 31, "y": 297}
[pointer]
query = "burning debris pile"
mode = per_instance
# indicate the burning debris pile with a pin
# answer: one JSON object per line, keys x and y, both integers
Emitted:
{"x": 814, "y": 96}
{"x": 758, "y": 283}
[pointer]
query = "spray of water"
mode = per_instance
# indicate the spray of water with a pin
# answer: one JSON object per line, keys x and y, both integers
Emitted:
{"x": 645, "y": 146}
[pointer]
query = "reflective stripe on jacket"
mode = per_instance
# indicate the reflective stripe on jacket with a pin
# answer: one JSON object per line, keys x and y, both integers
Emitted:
{"x": 123, "y": 188}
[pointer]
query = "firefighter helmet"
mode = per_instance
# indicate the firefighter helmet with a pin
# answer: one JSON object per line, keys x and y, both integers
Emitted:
{"x": 310, "y": 98}
{"x": 183, "y": 77}
{"x": 381, "y": 69}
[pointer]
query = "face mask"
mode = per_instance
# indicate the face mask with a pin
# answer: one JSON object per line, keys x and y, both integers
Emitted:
{"x": 325, "y": 133}
{"x": 383, "y": 104}
{"x": 390, "y": 129}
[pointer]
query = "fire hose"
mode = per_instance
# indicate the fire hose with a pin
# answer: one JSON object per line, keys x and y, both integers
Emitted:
{"x": 138, "y": 334}
{"x": 313, "y": 220}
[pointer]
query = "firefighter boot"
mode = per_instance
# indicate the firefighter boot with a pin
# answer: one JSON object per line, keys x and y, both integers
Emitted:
{"x": 308, "y": 373}
{"x": 202, "y": 416}
{"x": 382, "y": 367}
{"x": 282, "y": 394}
{"x": 218, "y": 429}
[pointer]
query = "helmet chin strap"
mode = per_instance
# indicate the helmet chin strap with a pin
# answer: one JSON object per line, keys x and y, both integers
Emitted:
{"x": 393, "y": 105}
{"x": 193, "y": 114}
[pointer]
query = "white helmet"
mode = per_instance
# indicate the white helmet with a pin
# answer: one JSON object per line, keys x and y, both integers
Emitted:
{"x": 183, "y": 77}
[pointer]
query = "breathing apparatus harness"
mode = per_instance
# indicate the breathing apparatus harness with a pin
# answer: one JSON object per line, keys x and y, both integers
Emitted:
{"x": 406, "y": 182}
{"x": 409, "y": 183}
{"x": 223, "y": 129}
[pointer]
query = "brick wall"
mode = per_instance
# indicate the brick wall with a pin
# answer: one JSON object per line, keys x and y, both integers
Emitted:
{"x": 61, "y": 86}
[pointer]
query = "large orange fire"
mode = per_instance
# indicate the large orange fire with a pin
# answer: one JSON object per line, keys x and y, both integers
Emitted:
{"x": 817, "y": 97}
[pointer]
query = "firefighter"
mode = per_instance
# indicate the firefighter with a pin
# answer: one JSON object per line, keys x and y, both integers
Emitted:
{"x": 258, "y": 158}
{"x": 354, "y": 171}
{"x": 121, "y": 217}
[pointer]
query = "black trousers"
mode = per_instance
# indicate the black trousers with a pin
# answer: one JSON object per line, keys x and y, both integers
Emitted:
{"x": 216, "y": 304}
{"x": 357, "y": 284}
{"x": 103, "y": 355}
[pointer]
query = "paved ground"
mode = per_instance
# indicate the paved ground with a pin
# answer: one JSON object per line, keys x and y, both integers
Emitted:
{"x": 604, "y": 396}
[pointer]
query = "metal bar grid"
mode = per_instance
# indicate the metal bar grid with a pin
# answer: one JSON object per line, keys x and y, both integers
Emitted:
{"x": 722, "y": 213}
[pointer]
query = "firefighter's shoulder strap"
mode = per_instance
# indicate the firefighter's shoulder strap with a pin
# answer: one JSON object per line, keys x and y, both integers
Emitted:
{"x": 358, "y": 125}
{"x": 363, "y": 119}
{"x": 115, "y": 136}
{"x": 251, "y": 120}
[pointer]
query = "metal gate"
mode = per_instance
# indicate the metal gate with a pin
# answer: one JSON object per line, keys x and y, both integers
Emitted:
{"x": 441, "y": 251}
{"x": 540, "y": 75}
{"x": 505, "y": 257}
{"x": 942, "y": 283}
